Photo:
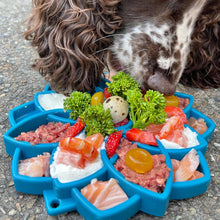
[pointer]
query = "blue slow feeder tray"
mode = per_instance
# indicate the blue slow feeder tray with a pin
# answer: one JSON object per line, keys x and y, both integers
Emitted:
{"x": 65, "y": 197}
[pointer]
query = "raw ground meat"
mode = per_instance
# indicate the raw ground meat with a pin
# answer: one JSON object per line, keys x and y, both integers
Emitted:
{"x": 154, "y": 180}
{"x": 50, "y": 133}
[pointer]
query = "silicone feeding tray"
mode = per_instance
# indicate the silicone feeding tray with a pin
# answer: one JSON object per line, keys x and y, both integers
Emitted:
{"x": 65, "y": 197}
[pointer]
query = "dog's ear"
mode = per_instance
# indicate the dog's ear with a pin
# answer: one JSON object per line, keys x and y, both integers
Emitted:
{"x": 71, "y": 37}
{"x": 203, "y": 67}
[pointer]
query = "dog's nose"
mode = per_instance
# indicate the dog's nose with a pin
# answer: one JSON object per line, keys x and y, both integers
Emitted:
{"x": 159, "y": 82}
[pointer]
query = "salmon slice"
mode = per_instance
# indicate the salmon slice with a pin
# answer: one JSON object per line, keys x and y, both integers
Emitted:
{"x": 95, "y": 140}
{"x": 173, "y": 131}
{"x": 175, "y": 166}
{"x": 196, "y": 175}
{"x": 104, "y": 194}
{"x": 188, "y": 165}
{"x": 70, "y": 158}
{"x": 175, "y": 111}
{"x": 81, "y": 146}
{"x": 35, "y": 166}
{"x": 198, "y": 124}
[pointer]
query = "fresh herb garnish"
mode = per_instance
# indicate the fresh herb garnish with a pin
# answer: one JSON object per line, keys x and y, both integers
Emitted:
{"x": 122, "y": 82}
{"x": 77, "y": 103}
{"x": 149, "y": 110}
{"x": 97, "y": 120}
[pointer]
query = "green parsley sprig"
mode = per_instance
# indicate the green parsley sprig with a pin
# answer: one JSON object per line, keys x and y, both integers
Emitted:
{"x": 122, "y": 82}
{"x": 149, "y": 110}
{"x": 98, "y": 120}
{"x": 77, "y": 103}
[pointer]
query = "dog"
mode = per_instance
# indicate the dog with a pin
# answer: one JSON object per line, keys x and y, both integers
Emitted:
{"x": 158, "y": 42}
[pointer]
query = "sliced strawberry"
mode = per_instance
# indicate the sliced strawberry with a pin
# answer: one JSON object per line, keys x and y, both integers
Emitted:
{"x": 107, "y": 94}
{"x": 133, "y": 134}
{"x": 76, "y": 128}
{"x": 121, "y": 123}
{"x": 112, "y": 143}
{"x": 175, "y": 111}
{"x": 144, "y": 137}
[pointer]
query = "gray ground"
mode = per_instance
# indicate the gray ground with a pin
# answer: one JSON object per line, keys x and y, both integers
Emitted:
{"x": 18, "y": 84}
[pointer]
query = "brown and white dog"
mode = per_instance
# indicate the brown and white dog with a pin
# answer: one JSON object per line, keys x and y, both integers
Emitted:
{"x": 158, "y": 42}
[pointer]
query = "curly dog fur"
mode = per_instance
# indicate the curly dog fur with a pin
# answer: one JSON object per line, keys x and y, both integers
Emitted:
{"x": 73, "y": 38}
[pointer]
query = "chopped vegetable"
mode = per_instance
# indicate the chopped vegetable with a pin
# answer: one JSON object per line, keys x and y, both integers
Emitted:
{"x": 121, "y": 83}
{"x": 97, "y": 120}
{"x": 77, "y": 103}
{"x": 149, "y": 110}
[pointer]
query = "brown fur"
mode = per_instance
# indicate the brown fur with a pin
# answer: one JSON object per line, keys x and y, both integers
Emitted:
{"x": 72, "y": 39}
{"x": 203, "y": 68}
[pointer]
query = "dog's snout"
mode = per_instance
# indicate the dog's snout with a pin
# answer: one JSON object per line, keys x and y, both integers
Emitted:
{"x": 159, "y": 82}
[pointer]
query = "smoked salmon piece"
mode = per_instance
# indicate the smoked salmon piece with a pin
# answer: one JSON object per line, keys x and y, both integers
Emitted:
{"x": 188, "y": 166}
{"x": 196, "y": 175}
{"x": 95, "y": 139}
{"x": 36, "y": 166}
{"x": 104, "y": 194}
{"x": 80, "y": 146}
{"x": 73, "y": 159}
{"x": 173, "y": 131}
{"x": 198, "y": 124}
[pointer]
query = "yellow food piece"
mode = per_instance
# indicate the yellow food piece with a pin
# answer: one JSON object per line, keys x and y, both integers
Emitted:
{"x": 97, "y": 98}
{"x": 139, "y": 160}
{"x": 171, "y": 100}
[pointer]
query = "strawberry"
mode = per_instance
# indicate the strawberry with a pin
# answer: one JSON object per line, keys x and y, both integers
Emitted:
{"x": 133, "y": 134}
{"x": 112, "y": 143}
{"x": 107, "y": 94}
{"x": 144, "y": 137}
{"x": 76, "y": 128}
